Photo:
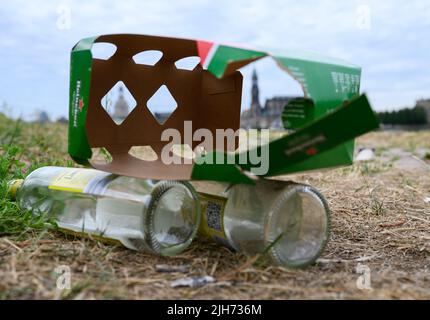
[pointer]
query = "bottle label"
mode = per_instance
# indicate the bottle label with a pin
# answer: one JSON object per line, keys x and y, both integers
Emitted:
{"x": 212, "y": 224}
{"x": 74, "y": 180}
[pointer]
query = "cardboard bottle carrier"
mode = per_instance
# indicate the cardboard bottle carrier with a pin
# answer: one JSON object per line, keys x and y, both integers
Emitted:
{"x": 331, "y": 114}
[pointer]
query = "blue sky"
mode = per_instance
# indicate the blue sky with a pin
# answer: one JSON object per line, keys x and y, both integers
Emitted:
{"x": 388, "y": 39}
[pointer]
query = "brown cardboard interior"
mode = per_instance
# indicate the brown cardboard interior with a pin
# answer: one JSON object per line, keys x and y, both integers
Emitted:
{"x": 202, "y": 98}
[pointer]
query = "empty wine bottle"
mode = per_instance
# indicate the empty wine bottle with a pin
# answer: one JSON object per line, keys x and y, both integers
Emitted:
{"x": 288, "y": 221}
{"x": 161, "y": 217}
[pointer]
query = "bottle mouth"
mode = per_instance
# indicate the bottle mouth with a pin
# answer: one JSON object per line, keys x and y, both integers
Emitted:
{"x": 173, "y": 217}
{"x": 297, "y": 227}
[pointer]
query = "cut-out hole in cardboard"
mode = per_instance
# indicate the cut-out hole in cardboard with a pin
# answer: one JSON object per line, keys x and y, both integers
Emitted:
{"x": 267, "y": 89}
{"x": 187, "y": 63}
{"x": 183, "y": 151}
{"x": 100, "y": 156}
{"x": 103, "y": 50}
{"x": 162, "y": 104}
{"x": 148, "y": 57}
{"x": 118, "y": 102}
{"x": 143, "y": 153}
{"x": 199, "y": 151}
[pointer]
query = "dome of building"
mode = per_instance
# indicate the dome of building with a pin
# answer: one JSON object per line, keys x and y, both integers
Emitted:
{"x": 121, "y": 108}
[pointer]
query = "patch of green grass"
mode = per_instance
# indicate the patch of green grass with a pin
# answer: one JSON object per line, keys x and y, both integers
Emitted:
{"x": 13, "y": 220}
{"x": 24, "y": 148}
{"x": 377, "y": 207}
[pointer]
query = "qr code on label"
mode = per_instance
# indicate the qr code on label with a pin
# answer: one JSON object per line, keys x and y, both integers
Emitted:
{"x": 213, "y": 215}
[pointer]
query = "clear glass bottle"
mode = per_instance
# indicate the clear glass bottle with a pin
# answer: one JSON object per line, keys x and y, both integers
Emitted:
{"x": 161, "y": 217}
{"x": 287, "y": 220}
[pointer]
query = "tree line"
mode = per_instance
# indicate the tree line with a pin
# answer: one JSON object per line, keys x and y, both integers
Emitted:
{"x": 416, "y": 115}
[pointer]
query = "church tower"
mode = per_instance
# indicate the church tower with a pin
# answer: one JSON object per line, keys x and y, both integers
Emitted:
{"x": 255, "y": 93}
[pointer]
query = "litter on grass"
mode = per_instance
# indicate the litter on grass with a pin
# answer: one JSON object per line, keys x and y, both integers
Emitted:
{"x": 192, "y": 282}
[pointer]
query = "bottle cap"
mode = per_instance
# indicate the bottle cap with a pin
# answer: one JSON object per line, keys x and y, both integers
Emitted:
{"x": 13, "y": 186}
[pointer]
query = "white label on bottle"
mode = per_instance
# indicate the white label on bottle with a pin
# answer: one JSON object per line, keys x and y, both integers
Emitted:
{"x": 74, "y": 179}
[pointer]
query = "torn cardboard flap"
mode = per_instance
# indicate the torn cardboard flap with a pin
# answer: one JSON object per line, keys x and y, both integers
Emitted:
{"x": 209, "y": 96}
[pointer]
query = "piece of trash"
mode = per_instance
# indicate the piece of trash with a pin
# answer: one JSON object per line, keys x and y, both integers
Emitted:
{"x": 427, "y": 199}
{"x": 238, "y": 202}
{"x": 359, "y": 259}
{"x": 192, "y": 282}
{"x": 310, "y": 147}
{"x": 167, "y": 268}
{"x": 365, "y": 154}
{"x": 112, "y": 219}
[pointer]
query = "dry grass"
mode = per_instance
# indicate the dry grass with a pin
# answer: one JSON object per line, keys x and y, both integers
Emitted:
{"x": 379, "y": 219}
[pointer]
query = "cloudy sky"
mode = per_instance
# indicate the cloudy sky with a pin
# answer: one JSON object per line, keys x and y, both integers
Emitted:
{"x": 388, "y": 39}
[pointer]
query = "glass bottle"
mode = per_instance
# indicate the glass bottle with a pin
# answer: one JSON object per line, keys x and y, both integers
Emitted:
{"x": 288, "y": 221}
{"x": 161, "y": 217}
